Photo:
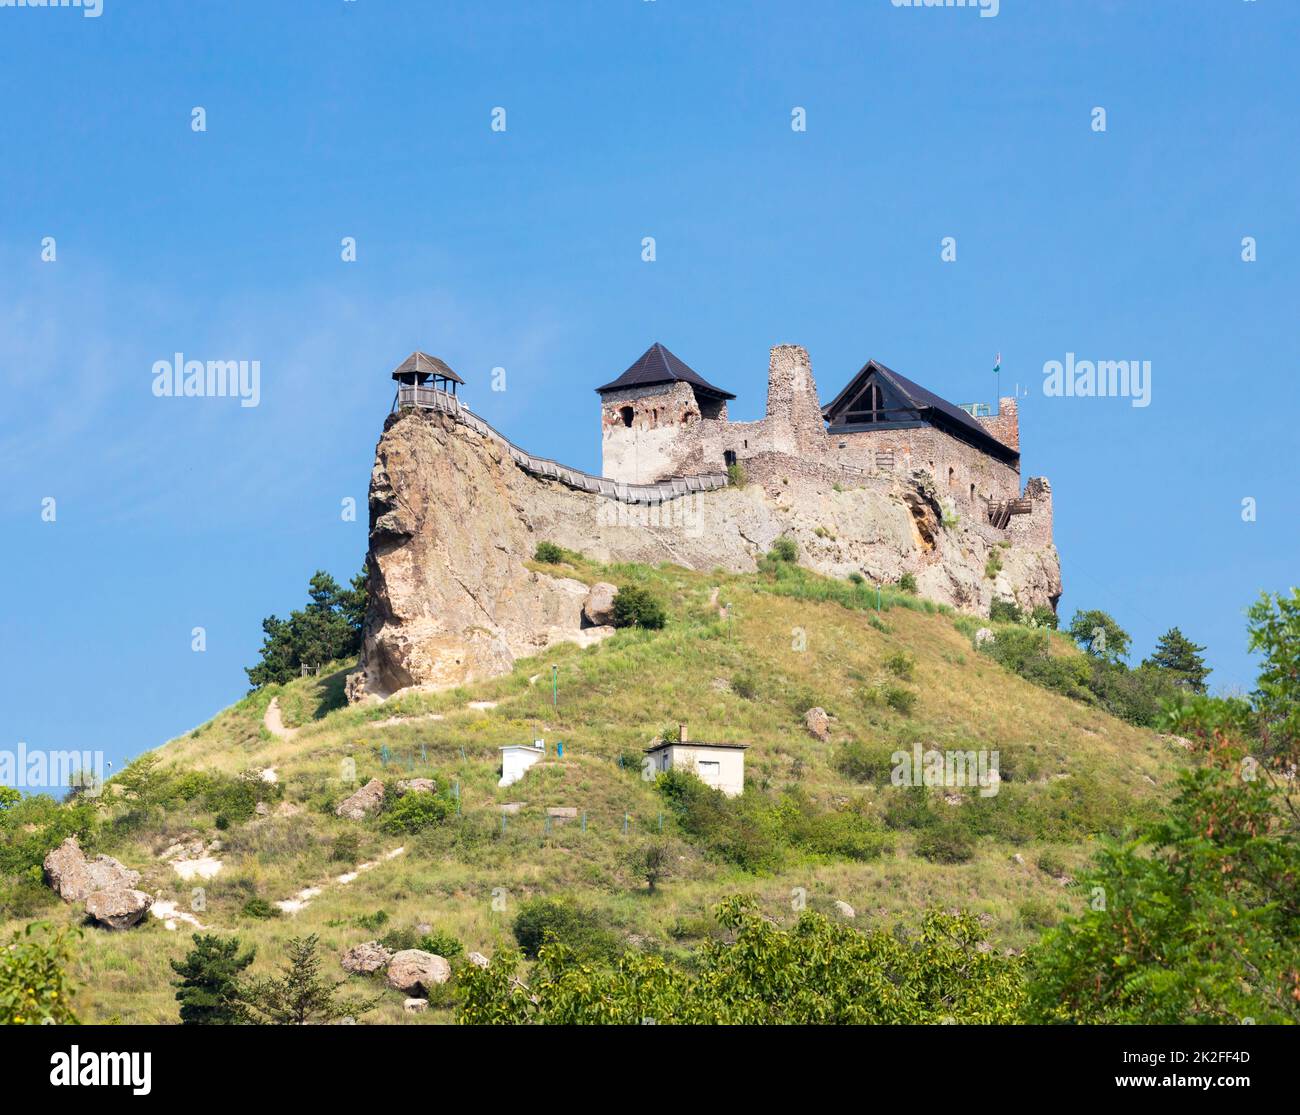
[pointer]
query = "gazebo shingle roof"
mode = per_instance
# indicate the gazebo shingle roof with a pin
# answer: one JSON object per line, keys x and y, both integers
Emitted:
{"x": 424, "y": 366}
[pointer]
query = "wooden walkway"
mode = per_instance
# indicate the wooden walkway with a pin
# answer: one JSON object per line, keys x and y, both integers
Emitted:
{"x": 428, "y": 398}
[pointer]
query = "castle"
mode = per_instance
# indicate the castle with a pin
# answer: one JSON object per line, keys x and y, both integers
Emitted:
{"x": 661, "y": 419}
{"x": 885, "y": 482}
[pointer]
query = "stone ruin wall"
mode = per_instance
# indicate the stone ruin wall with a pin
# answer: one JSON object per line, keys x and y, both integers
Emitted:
{"x": 669, "y": 437}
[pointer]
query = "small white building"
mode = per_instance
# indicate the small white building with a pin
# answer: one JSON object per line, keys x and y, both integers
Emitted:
{"x": 720, "y": 765}
{"x": 516, "y": 758}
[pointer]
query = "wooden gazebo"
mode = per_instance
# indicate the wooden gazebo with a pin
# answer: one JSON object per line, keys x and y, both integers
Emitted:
{"x": 422, "y": 370}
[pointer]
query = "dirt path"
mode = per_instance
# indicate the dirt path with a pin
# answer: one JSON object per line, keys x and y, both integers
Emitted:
{"x": 275, "y": 722}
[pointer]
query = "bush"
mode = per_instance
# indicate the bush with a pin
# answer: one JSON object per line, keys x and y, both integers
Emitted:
{"x": 784, "y": 549}
{"x": 638, "y": 607}
{"x": 865, "y": 764}
{"x": 901, "y": 700}
{"x": 947, "y": 842}
{"x": 346, "y": 847}
{"x": 34, "y": 986}
{"x": 415, "y": 812}
{"x": 907, "y": 584}
{"x": 901, "y": 665}
{"x": 736, "y": 475}
{"x": 560, "y": 920}
{"x": 856, "y": 578}
{"x": 745, "y": 685}
{"x": 548, "y": 553}
{"x": 1006, "y": 611}
{"x": 1050, "y": 864}
{"x": 259, "y": 908}
{"x": 1043, "y": 616}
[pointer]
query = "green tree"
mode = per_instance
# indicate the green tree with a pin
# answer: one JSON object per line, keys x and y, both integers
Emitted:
{"x": 34, "y": 985}
{"x": 1098, "y": 634}
{"x": 651, "y": 860}
{"x": 638, "y": 607}
{"x": 208, "y": 988}
{"x": 328, "y": 628}
{"x": 1274, "y": 627}
{"x": 817, "y": 971}
{"x": 300, "y": 996}
{"x": 1181, "y": 658}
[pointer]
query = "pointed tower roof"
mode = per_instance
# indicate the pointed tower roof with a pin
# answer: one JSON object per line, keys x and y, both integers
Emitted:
{"x": 658, "y": 365}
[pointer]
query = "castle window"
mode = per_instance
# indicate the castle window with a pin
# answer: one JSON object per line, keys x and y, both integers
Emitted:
{"x": 952, "y": 477}
{"x": 972, "y": 492}
{"x": 626, "y": 415}
{"x": 729, "y": 457}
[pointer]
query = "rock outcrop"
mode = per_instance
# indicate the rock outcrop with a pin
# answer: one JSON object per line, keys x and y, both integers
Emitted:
{"x": 455, "y": 521}
{"x": 416, "y": 972}
{"x": 366, "y": 958}
{"x": 366, "y": 800}
{"x": 118, "y": 907}
{"x": 74, "y": 877}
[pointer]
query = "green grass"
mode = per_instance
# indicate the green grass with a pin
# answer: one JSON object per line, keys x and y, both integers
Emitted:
{"x": 795, "y": 640}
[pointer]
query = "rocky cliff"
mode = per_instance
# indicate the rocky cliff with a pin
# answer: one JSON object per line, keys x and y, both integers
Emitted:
{"x": 453, "y": 520}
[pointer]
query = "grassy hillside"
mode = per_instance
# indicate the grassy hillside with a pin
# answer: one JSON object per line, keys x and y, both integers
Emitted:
{"x": 820, "y": 816}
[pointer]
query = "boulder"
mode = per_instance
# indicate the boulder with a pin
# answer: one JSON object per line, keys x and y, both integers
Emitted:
{"x": 598, "y": 607}
{"x": 416, "y": 971}
{"x": 415, "y": 1006}
{"x": 818, "y": 723}
{"x": 367, "y": 958}
{"x": 74, "y": 877}
{"x": 478, "y": 960}
{"x": 845, "y": 909}
{"x": 416, "y": 786}
{"x": 366, "y": 800}
{"x": 118, "y": 907}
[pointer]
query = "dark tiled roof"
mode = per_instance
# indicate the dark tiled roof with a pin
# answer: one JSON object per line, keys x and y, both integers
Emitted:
{"x": 425, "y": 365}
{"x": 921, "y": 398}
{"x": 658, "y": 365}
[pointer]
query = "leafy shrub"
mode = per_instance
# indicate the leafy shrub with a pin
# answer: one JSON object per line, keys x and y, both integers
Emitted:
{"x": 373, "y": 922}
{"x": 901, "y": 665}
{"x": 415, "y": 812}
{"x": 907, "y": 584}
{"x": 745, "y": 685}
{"x": 856, "y": 578}
{"x": 993, "y": 566}
{"x": 864, "y": 763}
{"x": 945, "y": 843}
{"x": 548, "y": 553}
{"x": 736, "y": 475}
{"x": 259, "y": 908}
{"x": 901, "y": 700}
{"x": 34, "y": 986}
{"x": 1043, "y": 616}
{"x": 346, "y": 847}
{"x": 1050, "y": 864}
{"x": 638, "y": 607}
{"x": 784, "y": 549}
{"x": 1006, "y": 611}
{"x": 560, "y": 920}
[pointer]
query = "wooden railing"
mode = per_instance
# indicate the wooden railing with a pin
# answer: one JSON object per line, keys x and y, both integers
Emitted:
{"x": 429, "y": 398}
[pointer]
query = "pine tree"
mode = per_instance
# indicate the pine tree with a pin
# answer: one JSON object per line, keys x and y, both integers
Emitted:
{"x": 1179, "y": 656}
{"x": 301, "y": 996}
{"x": 208, "y": 990}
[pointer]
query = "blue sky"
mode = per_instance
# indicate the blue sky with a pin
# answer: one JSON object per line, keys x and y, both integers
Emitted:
{"x": 522, "y": 249}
